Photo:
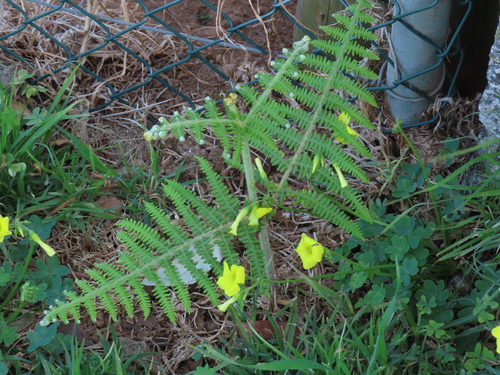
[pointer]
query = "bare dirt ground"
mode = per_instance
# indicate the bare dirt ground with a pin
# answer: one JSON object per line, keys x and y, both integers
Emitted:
{"x": 116, "y": 132}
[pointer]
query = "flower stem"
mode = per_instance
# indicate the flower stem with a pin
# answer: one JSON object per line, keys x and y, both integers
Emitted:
{"x": 268, "y": 253}
{"x": 265, "y": 244}
{"x": 248, "y": 170}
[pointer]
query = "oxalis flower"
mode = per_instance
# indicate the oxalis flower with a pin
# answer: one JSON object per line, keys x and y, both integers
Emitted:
{"x": 345, "y": 119}
{"x": 231, "y": 279}
{"x": 496, "y": 334}
{"x": 4, "y": 228}
{"x": 318, "y": 160}
{"x": 35, "y": 238}
{"x": 260, "y": 168}
{"x": 234, "y": 225}
{"x": 310, "y": 251}
{"x": 230, "y": 101}
{"x": 255, "y": 214}
{"x": 343, "y": 181}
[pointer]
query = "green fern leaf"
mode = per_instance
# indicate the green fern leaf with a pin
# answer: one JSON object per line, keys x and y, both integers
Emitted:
{"x": 323, "y": 208}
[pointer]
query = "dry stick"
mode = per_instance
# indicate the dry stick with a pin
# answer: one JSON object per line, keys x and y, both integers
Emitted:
{"x": 86, "y": 30}
{"x": 218, "y": 22}
{"x": 126, "y": 15}
{"x": 261, "y": 21}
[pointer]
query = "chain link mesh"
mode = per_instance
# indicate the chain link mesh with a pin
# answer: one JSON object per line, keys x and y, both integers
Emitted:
{"x": 130, "y": 50}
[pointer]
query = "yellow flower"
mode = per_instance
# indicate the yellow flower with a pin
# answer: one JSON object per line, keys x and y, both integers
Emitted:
{"x": 343, "y": 181}
{"x": 230, "y": 100}
{"x": 262, "y": 173}
{"x": 256, "y": 214}
{"x": 4, "y": 228}
{"x": 234, "y": 226}
{"x": 496, "y": 334}
{"x": 34, "y": 237}
{"x": 310, "y": 251}
{"x": 317, "y": 161}
{"x": 231, "y": 278}
{"x": 345, "y": 119}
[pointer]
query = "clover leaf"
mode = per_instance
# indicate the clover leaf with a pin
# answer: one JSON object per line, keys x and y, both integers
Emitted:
{"x": 41, "y": 336}
{"x": 7, "y": 334}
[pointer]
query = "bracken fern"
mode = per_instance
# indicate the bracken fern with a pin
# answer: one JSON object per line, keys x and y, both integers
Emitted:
{"x": 293, "y": 119}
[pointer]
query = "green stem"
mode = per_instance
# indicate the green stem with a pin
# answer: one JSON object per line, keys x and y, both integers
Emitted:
{"x": 20, "y": 278}
{"x": 248, "y": 170}
{"x": 16, "y": 313}
{"x": 265, "y": 243}
{"x": 268, "y": 253}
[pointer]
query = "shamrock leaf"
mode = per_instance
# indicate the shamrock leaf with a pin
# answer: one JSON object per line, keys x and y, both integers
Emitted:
{"x": 41, "y": 336}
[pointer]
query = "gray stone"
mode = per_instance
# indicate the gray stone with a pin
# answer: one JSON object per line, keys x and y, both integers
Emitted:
{"x": 489, "y": 106}
{"x": 489, "y": 115}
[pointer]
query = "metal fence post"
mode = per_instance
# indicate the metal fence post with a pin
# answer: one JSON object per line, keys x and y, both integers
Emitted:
{"x": 417, "y": 41}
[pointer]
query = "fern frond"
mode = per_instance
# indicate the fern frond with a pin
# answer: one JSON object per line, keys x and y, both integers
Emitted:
{"x": 349, "y": 196}
{"x": 253, "y": 251}
{"x": 226, "y": 201}
{"x": 151, "y": 237}
{"x": 291, "y": 118}
{"x": 213, "y": 217}
{"x": 193, "y": 221}
{"x": 113, "y": 284}
{"x": 175, "y": 280}
{"x": 89, "y": 303}
{"x": 159, "y": 245}
{"x": 141, "y": 295}
{"x": 175, "y": 233}
{"x": 322, "y": 207}
{"x": 164, "y": 298}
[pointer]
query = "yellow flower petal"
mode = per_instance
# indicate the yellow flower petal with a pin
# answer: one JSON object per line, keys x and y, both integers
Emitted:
{"x": 343, "y": 181}
{"x": 310, "y": 251}
{"x": 4, "y": 228}
{"x": 496, "y": 332}
{"x": 351, "y": 131}
{"x": 231, "y": 278}
{"x": 234, "y": 226}
{"x": 239, "y": 274}
{"x": 345, "y": 119}
{"x": 49, "y": 250}
{"x": 256, "y": 214}
{"x": 230, "y": 100}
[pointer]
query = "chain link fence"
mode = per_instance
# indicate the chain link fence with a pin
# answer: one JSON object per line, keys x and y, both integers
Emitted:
{"x": 156, "y": 55}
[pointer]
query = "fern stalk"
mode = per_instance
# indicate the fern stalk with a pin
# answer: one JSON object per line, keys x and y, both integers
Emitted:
{"x": 265, "y": 243}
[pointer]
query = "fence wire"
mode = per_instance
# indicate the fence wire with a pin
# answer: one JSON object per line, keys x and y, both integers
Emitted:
{"x": 151, "y": 50}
